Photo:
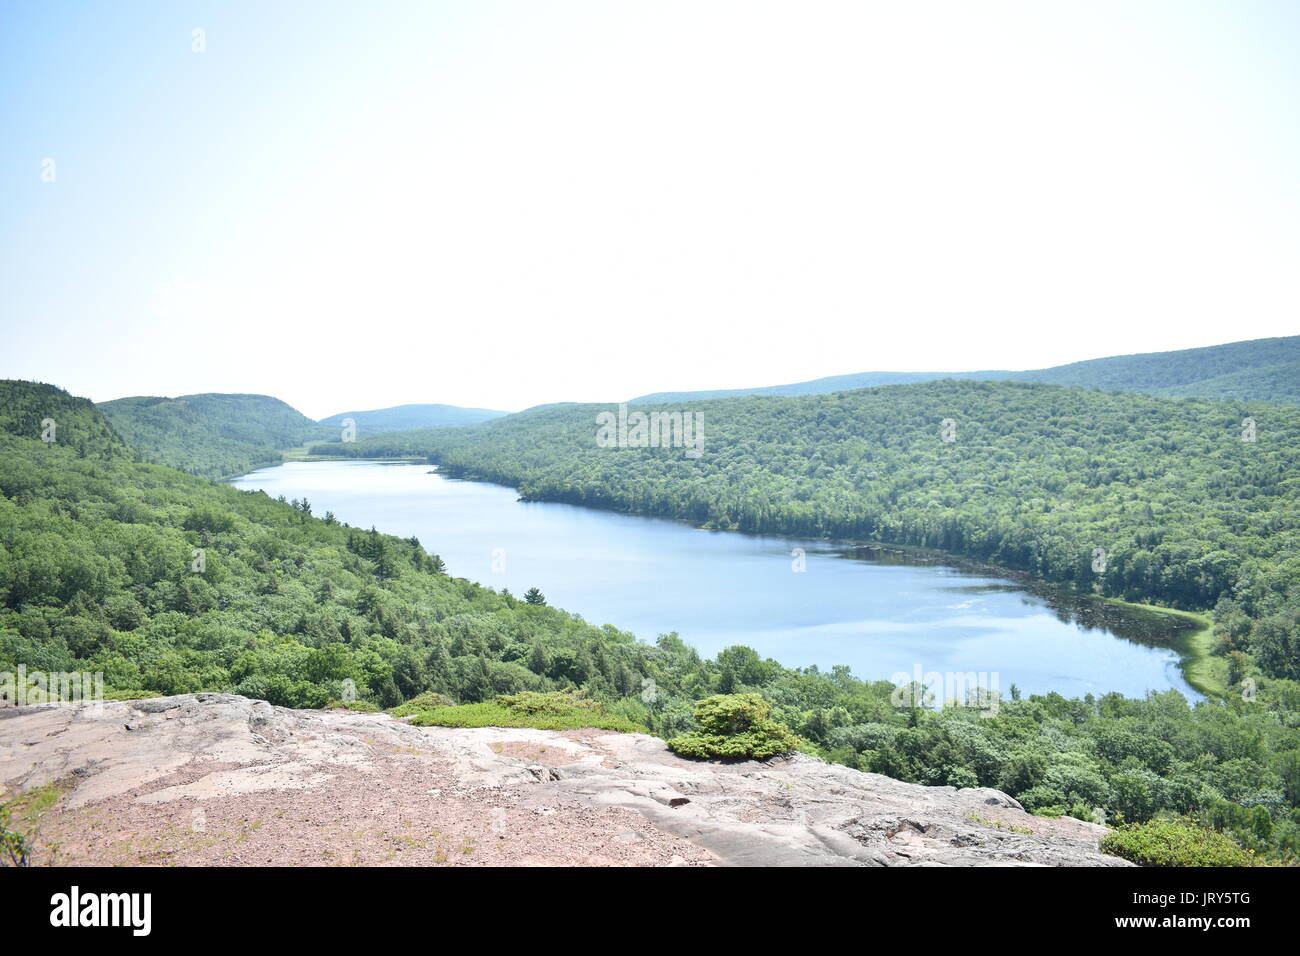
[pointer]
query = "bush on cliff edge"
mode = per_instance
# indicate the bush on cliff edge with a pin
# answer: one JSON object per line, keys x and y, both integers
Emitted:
{"x": 1175, "y": 843}
{"x": 734, "y": 727}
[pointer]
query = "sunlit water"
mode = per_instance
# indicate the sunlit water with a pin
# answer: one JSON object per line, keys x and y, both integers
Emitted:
{"x": 881, "y": 614}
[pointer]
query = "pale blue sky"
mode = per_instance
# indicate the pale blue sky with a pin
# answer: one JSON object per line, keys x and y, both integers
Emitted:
{"x": 501, "y": 204}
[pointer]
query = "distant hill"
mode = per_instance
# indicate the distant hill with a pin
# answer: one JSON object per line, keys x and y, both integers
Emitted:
{"x": 821, "y": 386}
{"x": 214, "y": 435}
{"x": 1263, "y": 370}
{"x": 544, "y": 407}
{"x": 406, "y": 417}
{"x": 1280, "y": 382}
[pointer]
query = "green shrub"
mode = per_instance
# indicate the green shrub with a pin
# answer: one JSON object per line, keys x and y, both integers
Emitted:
{"x": 734, "y": 726}
{"x": 1175, "y": 843}
{"x": 426, "y": 701}
{"x": 15, "y": 850}
{"x": 560, "y": 710}
{"x": 360, "y": 706}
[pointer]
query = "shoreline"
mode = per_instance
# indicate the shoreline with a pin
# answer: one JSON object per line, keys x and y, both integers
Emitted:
{"x": 1194, "y": 646}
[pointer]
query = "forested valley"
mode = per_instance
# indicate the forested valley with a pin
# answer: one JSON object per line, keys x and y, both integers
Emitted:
{"x": 98, "y": 572}
{"x": 1192, "y": 504}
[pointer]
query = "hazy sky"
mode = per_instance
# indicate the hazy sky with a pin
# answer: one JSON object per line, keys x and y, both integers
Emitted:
{"x": 502, "y": 204}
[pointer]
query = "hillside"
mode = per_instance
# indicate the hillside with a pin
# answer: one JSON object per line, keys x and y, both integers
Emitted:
{"x": 1037, "y": 478}
{"x": 819, "y": 386}
{"x": 97, "y": 571}
{"x": 1262, "y": 370}
{"x": 169, "y": 584}
{"x": 1262, "y": 363}
{"x": 27, "y": 407}
{"x": 213, "y": 435}
{"x": 1280, "y": 383}
{"x": 403, "y": 417}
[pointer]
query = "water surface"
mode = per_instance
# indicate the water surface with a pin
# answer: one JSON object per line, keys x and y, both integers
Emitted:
{"x": 879, "y": 613}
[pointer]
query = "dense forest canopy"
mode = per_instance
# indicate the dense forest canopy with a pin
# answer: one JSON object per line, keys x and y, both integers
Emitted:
{"x": 1189, "y": 372}
{"x": 1037, "y": 478}
{"x": 213, "y": 435}
{"x": 99, "y": 571}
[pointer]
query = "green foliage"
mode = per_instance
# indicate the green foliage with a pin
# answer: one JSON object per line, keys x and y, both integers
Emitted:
{"x": 95, "y": 574}
{"x": 15, "y": 848}
{"x": 213, "y": 435}
{"x": 361, "y": 706}
{"x": 24, "y": 406}
{"x": 1188, "y": 514}
{"x": 1175, "y": 843}
{"x": 735, "y": 726}
{"x": 426, "y": 701}
{"x": 20, "y": 815}
{"x": 548, "y": 711}
{"x": 1261, "y": 370}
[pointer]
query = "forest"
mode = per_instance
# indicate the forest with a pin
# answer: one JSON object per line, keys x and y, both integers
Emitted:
{"x": 1187, "y": 506}
{"x": 213, "y": 435}
{"x": 1257, "y": 370}
{"x": 99, "y": 571}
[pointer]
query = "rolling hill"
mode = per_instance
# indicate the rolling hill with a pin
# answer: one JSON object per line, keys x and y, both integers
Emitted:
{"x": 213, "y": 435}
{"x": 98, "y": 574}
{"x": 1037, "y": 476}
{"x": 819, "y": 386}
{"x": 1261, "y": 365}
{"x": 1261, "y": 370}
{"x": 405, "y": 417}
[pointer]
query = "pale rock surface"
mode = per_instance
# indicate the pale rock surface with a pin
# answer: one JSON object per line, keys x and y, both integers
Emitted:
{"x": 220, "y": 779}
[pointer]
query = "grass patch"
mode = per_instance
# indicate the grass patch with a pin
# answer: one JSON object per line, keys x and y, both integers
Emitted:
{"x": 1202, "y": 669}
{"x": 359, "y": 706}
{"x": 20, "y": 815}
{"x": 976, "y": 818}
{"x": 563, "y": 710}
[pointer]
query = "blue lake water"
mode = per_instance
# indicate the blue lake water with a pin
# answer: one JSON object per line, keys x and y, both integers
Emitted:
{"x": 878, "y": 612}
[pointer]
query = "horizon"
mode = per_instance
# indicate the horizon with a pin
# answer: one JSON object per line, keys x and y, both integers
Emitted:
{"x": 606, "y": 401}
{"x": 467, "y": 204}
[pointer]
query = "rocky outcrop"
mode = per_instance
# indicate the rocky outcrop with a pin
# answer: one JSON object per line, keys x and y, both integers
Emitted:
{"x": 220, "y": 779}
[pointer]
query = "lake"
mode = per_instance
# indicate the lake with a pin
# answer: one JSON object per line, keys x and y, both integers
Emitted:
{"x": 881, "y": 613}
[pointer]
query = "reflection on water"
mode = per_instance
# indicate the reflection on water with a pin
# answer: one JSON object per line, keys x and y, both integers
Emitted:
{"x": 1136, "y": 624}
{"x": 878, "y": 611}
